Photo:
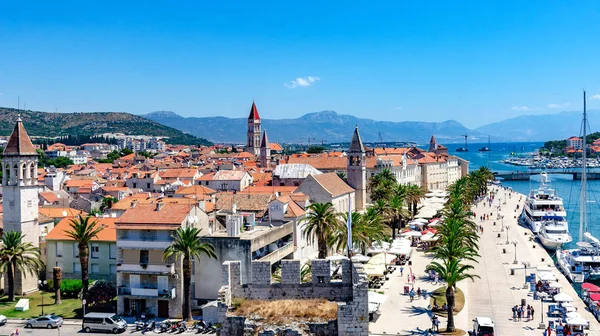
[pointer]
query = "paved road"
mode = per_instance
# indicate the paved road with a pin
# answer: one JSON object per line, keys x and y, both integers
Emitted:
{"x": 74, "y": 329}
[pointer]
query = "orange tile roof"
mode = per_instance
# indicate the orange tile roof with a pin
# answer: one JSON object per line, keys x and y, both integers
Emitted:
{"x": 79, "y": 183}
{"x": 143, "y": 198}
{"x": 19, "y": 142}
{"x": 322, "y": 162}
{"x": 333, "y": 184}
{"x": 49, "y": 196}
{"x": 107, "y": 234}
{"x": 197, "y": 190}
{"x": 284, "y": 190}
{"x": 178, "y": 173}
{"x": 60, "y": 212}
{"x": 275, "y": 146}
{"x": 144, "y": 214}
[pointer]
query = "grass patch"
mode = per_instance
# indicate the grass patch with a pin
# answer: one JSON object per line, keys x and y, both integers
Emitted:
{"x": 69, "y": 308}
{"x": 440, "y": 295}
{"x": 287, "y": 311}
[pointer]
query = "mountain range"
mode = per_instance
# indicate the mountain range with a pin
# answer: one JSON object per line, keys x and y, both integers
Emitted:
{"x": 50, "y": 124}
{"x": 326, "y": 126}
{"x": 330, "y": 126}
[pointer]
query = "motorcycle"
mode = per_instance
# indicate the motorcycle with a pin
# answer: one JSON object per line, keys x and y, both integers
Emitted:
{"x": 199, "y": 326}
{"x": 165, "y": 326}
{"x": 182, "y": 326}
{"x": 150, "y": 326}
{"x": 140, "y": 325}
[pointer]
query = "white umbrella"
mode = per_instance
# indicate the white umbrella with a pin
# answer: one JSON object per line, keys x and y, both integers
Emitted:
{"x": 555, "y": 284}
{"x": 359, "y": 258}
{"x": 375, "y": 250}
{"x": 440, "y": 194}
{"x": 562, "y": 297}
{"x": 434, "y": 224}
{"x": 422, "y": 220}
{"x": 436, "y": 200}
{"x": 382, "y": 258}
{"x": 573, "y": 315}
{"x": 577, "y": 321}
{"x": 411, "y": 234}
{"x": 336, "y": 257}
{"x": 377, "y": 298}
{"x": 546, "y": 276}
{"x": 430, "y": 194}
{"x": 429, "y": 238}
{"x": 373, "y": 307}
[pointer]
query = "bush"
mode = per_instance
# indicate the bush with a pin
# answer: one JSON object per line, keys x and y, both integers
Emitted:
{"x": 50, "y": 286}
{"x": 100, "y": 293}
{"x": 70, "y": 288}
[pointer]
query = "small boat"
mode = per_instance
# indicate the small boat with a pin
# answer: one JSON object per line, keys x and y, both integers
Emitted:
{"x": 463, "y": 149}
{"x": 486, "y": 148}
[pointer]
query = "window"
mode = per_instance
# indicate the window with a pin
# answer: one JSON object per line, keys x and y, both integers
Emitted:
{"x": 59, "y": 249}
{"x": 224, "y": 186}
{"x": 95, "y": 251}
{"x": 95, "y": 269}
{"x": 147, "y": 185}
{"x": 113, "y": 251}
{"x": 113, "y": 269}
{"x": 76, "y": 268}
{"x": 144, "y": 257}
{"x": 75, "y": 250}
{"x": 135, "y": 185}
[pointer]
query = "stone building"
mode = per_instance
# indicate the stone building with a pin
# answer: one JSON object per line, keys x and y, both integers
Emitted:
{"x": 357, "y": 171}
{"x": 329, "y": 187}
{"x": 20, "y": 196}
{"x": 253, "y": 133}
{"x": 350, "y": 294}
{"x": 265, "y": 151}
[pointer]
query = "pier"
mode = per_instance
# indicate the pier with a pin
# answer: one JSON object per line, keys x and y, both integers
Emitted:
{"x": 526, "y": 175}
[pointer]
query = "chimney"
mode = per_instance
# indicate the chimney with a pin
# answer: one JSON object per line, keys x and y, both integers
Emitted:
{"x": 234, "y": 225}
{"x": 134, "y": 203}
{"x": 202, "y": 205}
{"x": 159, "y": 205}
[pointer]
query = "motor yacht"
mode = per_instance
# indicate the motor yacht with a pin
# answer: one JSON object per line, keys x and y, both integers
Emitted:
{"x": 542, "y": 202}
{"x": 554, "y": 232}
{"x": 582, "y": 263}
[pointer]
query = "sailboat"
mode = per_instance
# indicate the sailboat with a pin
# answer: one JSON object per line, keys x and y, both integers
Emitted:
{"x": 582, "y": 263}
{"x": 463, "y": 149}
{"x": 484, "y": 148}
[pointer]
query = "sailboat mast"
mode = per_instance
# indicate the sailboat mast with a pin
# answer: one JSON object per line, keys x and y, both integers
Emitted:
{"x": 583, "y": 207}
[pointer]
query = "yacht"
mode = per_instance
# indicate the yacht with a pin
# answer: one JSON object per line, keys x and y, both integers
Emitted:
{"x": 486, "y": 148}
{"x": 554, "y": 232}
{"x": 582, "y": 263}
{"x": 542, "y": 202}
{"x": 465, "y": 148}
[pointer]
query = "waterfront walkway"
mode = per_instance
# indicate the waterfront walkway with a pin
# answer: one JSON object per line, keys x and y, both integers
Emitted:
{"x": 497, "y": 291}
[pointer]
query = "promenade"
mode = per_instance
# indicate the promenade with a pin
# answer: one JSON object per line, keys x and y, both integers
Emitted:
{"x": 497, "y": 291}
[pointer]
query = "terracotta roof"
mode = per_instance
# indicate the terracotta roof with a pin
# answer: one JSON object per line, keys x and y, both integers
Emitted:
{"x": 244, "y": 202}
{"x": 253, "y": 112}
{"x": 293, "y": 210}
{"x": 49, "y": 196}
{"x": 144, "y": 214}
{"x": 79, "y": 183}
{"x": 322, "y": 162}
{"x": 19, "y": 142}
{"x": 196, "y": 190}
{"x": 107, "y": 234}
{"x": 60, "y": 212}
{"x": 181, "y": 173}
{"x": 284, "y": 190}
{"x": 333, "y": 184}
{"x": 229, "y": 175}
{"x": 574, "y": 138}
{"x": 143, "y": 198}
{"x": 275, "y": 146}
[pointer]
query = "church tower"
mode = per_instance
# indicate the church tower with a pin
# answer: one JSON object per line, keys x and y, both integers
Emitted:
{"x": 20, "y": 193}
{"x": 253, "y": 136}
{"x": 357, "y": 171}
{"x": 433, "y": 146}
{"x": 265, "y": 151}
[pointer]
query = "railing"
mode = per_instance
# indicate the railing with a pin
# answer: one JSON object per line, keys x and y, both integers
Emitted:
{"x": 139, "y": 244}
{"x": 148, "y": 292}
{"x": 279, "y": 254}
{"x": 146, "y": 268}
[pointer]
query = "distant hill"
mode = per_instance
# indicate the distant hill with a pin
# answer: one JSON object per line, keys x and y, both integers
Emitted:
{"x": 57, "y": 124}
{"x": 326, "y": 125}
{"x": 541, "y": 127}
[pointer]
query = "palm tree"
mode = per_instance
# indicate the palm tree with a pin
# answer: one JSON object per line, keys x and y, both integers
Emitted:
{"x": 397, "y": 211}
{"x": 17, "y": 255}
{"x": 382, "y": 184}
{"x": 322, "y": 222}
{"x": 83, "y": 230}
{"x": 451, "y": 271}
{"x": 414, "y": 193}
{"x": 186, "y": 244}
{"x": 366, "y": 228}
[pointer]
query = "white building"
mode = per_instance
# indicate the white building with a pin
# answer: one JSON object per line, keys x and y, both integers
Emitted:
{"x": 575, "y": 142}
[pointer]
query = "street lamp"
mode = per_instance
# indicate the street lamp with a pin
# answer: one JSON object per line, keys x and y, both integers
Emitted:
{"x": 525, "y": 264}
{"x": 542, "y": 324}
{"x": 514, "y": 242}
{"x": 42, "y": 284}
{"x": 507, "y": 229}
{"x": 502, "y": 230}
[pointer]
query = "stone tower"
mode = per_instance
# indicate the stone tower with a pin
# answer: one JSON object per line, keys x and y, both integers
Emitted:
{"x": 357, "y": 172}
{"x": 253, "y": 144}
{"x": 433, "y": 146}
{"x": 265, "y": 151}
{"x": 20, "y": 193}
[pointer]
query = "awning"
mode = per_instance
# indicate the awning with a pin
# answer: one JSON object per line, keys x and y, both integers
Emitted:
{"x": 562, "y": 297}
{"x": 578, "y": 321}
{"x": 546, "y": 276}
{"x": 336, "y": 257}
{"x": 595, "y": 297}
{"x": 555, "y": 284}
{"x": 377, "y": 298}
{"x": 374, "y": 270}
{"x": 359, "y": 258}
{"x": 382, "y": 258}
{"x": 412, "y": 234}
{"x": 586, "y": 286}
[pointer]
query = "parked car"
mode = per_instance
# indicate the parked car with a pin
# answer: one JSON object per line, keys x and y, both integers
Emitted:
{"x": 103, "y": 322}
{"x": 3, "y": 320}
{"x": 482, "y": 326}
{"x": 45, "y": 321}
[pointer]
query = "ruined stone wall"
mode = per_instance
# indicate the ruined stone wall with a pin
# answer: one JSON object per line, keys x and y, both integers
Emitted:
{"x": 351, "y": 294}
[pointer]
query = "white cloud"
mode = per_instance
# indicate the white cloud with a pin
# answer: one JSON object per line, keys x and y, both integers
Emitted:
{"x": 522, "y": 108}
{"x": 302, "y": 82}
{"x": 596, "y": 96}
{"x": 559, "y": 106}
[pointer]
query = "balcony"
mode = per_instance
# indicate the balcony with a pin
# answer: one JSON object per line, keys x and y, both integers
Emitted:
{"x": 279, "y": 254}
{"x": 148, "y": 268}
{"x": 142, "y": 244}
{"x": 148, "y": 292}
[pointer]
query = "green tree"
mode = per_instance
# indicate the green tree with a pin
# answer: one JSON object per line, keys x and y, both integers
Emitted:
{"x": 17, "y": 255}
{"x": 107, "y": 202}
{"x": 367, "y": 227}
{"x": 187, "y": 245}
{"x": 382, "y": 184}
{"x": 83, "y": 230}
{"x": 315, "y": 149}
{"x": 321, "y": 222}
{"x": 414, "y": 194}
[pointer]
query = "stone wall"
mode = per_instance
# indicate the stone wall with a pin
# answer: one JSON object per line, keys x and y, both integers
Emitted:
{"x": 351, "y": 294}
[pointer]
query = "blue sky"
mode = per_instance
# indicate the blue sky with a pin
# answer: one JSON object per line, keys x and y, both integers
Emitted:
{"x": 472, "y": 61}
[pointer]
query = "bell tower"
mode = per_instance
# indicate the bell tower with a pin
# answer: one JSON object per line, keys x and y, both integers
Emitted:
{"x": 20, "y": 193}
{"x": 253, "y": 135}
{"x": 357, "y": 170}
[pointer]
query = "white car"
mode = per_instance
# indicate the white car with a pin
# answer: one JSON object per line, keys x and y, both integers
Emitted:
{"x": 3, "y": 320}
{"x": 483, "y": 326}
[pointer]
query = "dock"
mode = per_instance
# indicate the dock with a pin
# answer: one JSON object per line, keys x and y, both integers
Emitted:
{"x": 526, "y": 175}
{"x": 502, "y": 280}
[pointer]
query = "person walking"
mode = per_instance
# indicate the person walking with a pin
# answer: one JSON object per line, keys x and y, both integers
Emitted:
{"x": 401, "y": 270}
{"x": 418, "y": 292}
{"x": 411, "y": 294}
{"x": 549, "y": 331}
{"x": 532, "y": 313}
{"x": 514, "y": 311}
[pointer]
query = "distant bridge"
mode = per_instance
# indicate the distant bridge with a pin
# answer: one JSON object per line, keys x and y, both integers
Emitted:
{"x": 526, "y": 175}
